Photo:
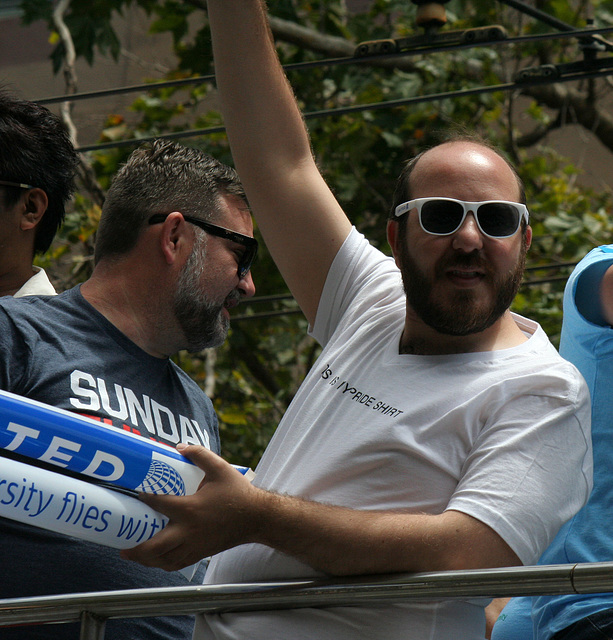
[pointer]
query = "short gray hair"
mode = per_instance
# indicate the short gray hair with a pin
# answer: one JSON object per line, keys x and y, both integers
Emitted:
{"x": 161, "y": 177}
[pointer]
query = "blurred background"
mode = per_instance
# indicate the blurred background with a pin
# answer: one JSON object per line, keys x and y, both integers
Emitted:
{"x": 123, "y": 71}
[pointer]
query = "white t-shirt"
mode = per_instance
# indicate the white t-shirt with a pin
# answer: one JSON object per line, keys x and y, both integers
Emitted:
{"x": 502, "y": 436}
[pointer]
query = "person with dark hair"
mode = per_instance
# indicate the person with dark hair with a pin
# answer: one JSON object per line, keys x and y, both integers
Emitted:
{"x": 175, "y": 255}
{"x": 37, "y": 167}
{"x": 437, "y": 430}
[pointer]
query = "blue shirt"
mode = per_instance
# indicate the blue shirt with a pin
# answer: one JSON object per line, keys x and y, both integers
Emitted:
{"x": 587, "y": 341}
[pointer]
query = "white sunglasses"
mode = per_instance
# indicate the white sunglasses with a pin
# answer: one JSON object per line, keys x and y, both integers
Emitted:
{"x": 444, "y": 216}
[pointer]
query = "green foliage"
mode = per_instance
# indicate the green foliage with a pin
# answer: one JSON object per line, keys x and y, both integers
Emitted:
{"x": 70, "y": 257}
{"x": 567, "y": 221}
{"x": 361, "y": 153}
{"x": 88, "y": 22}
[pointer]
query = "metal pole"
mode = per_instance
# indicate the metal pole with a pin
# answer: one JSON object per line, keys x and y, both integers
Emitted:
{"x": 360, "y": 590}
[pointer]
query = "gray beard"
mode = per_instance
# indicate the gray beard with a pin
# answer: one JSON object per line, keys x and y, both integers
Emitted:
{"x": 201, "y": 320}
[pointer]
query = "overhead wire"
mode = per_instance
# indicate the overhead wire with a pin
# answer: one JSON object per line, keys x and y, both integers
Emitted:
{"x": 566, "y": 31}
{"x": 339, "y": 111}
{"x": 326, "y": 62}
{"x": 542, "y": 16}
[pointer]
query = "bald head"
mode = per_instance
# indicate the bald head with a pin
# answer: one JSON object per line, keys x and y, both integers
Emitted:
{"x": 461, "y": 169}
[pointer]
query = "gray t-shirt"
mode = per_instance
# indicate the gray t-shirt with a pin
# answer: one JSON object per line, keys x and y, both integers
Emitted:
{"x": 61, "y": 351}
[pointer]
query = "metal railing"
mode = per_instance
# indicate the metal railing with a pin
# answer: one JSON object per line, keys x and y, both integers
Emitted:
{"x": 94, "y": 609}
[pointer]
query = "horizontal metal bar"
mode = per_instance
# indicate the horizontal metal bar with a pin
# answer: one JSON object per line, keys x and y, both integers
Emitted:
{"x": 361, "y": 590}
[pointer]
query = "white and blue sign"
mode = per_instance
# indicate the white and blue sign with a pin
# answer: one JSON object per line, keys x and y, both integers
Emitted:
{"x": 74, "y": 507}
{"x": 95, "y": 449}
{"x": 67, "y": 505}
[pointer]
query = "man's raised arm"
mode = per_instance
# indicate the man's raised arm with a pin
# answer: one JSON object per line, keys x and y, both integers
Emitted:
{"x": 301, "y": 221}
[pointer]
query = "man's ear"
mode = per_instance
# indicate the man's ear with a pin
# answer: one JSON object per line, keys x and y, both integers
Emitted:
{"x": 528, "y": 236}
{"x": 172, "y": 236}
{"x": 35, "y": 204}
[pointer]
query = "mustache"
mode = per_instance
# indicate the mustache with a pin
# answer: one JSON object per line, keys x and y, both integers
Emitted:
{"x": 474, "y": 261}
{"x": 233, "y": 297}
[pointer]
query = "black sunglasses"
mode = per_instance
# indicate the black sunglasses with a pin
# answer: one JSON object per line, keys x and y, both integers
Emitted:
{"x": 18, "y": 185}
{"x": 444, "y": 216}
{"x": 250, "y": 244}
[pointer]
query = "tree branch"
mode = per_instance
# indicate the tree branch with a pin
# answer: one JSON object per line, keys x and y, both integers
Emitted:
{"x": 84, "y": 169}
{"x": 585, "y": 112}
{"x": 70, "y": 56}
{"x": 537, "y": 134}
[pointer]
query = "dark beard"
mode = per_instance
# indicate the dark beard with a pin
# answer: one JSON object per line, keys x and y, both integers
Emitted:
{"x": 459, "y": 314}
{"x": 200, "y": 319}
